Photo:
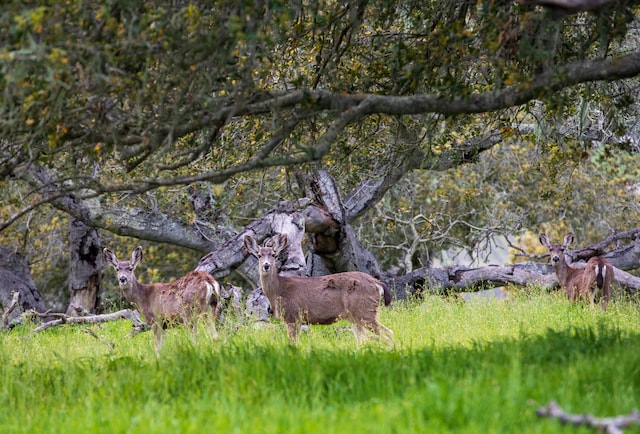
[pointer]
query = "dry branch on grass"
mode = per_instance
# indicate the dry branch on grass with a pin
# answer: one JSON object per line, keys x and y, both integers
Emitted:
{"x": 61, "y": 318}
{"x": 608, "y": 425}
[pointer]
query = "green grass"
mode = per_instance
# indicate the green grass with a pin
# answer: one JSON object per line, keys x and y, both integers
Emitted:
{"x": 481, "y": 367}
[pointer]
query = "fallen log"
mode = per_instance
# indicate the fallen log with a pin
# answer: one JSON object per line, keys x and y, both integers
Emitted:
{"x": 609, "y": 425}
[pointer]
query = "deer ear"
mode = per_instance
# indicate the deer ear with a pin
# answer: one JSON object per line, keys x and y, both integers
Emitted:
{"x": 544, "y": 240}
{"x": 281, "y": 242}
{"x": 568, "y": 239}
{"x": 110, "y": 258}
{"x": 136, "y": 257}
{"x": 251, "y": 245}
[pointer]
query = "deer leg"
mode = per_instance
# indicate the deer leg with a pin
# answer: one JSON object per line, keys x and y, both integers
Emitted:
{"x": 211, "y": 326}
{"x": 292, "y": 331}
{"x": 388, "y": 335}
{"x": 605, "y": 294}
{"x": 359, "y": 332}
{"x": 605, "y": 300}
{"x": 381, "y": 332}
{"x": 158, "y": 337}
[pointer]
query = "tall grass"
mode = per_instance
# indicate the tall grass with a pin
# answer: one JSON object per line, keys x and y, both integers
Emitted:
{"x": 477, "y": 367}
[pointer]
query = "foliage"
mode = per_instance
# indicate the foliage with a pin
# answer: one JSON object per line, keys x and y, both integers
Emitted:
{"x": 549, "y": 184}
{"x": 478, "y": 367}
{"x": 128, "y": 104}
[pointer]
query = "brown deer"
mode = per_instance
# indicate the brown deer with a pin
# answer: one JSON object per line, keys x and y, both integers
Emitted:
{"x": 165, "y": 304}
{"x": 581, "y": 283}
{"x": 353, "y": 296}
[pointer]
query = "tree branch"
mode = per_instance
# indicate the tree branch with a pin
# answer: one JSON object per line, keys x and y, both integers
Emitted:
{"x": 609, "y": 425}
{"x": 144, "y": 224}
{"x": 61, "y": 318}
{"x": 356, "y": 106}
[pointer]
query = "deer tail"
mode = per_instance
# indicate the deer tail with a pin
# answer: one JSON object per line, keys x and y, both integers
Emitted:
{"x": 385, "y": 293}
{"x": 213, "y": 293}
{"x": 601, "y": 274}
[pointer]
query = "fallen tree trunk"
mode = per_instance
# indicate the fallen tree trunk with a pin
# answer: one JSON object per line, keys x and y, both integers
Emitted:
{"x": 462, "y": 279}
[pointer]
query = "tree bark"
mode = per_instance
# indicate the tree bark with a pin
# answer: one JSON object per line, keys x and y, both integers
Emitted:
{"x": 85, "y": 268}
{"x": 336, "y": 245}
{"x": 15, "y": 276}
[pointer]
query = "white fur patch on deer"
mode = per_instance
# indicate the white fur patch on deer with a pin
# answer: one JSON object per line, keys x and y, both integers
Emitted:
{"x": 580, "y": 283}
{"x": 194, "y": 295}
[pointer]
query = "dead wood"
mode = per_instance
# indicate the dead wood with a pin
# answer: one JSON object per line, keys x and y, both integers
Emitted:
{"x": 609, "y": 425}
{"x": 7, "y": 313}
{"x": 61, "y": 318}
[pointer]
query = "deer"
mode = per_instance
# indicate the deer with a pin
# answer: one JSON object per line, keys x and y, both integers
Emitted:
{"x": 581, "y": 283}
{"x": 354, "y": 296}
{"x": 182, "y": 301}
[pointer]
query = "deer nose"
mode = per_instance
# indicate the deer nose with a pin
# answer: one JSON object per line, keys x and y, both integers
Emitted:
{"x": 266, "y": 267}
{"x": 123, "y": 279}
{"x": 555, "y": 259}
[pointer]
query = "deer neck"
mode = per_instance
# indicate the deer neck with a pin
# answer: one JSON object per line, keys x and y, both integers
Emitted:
{"x": 564, "y": 271}
{"x": 137, "y": 293}
{"x": 271, "y": 286}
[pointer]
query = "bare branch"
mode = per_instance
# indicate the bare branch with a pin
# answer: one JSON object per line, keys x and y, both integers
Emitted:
{"x": 605, "y": 424}
{"x": 131, "y": 315}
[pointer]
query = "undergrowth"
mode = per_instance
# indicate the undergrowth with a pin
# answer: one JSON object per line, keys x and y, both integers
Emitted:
{"x": 484, "y": 366}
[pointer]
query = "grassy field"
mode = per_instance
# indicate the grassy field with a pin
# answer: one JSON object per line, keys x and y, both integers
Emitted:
{"x": 480, "y": 367}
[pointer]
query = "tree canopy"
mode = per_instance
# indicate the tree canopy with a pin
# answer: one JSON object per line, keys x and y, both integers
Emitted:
{"x": 442, "y": 123}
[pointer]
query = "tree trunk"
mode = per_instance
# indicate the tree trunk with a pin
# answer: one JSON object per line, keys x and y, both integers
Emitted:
{"x": 336, "y": 244}
{"x": 85, "y": 268}
{"x": 462, "y": 279}
{"x": 15, "y": 276}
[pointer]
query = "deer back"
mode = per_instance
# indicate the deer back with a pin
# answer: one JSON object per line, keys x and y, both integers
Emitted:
{"x": 180, "y": 300}
{"x": 316, "y": 300}
{"x": 325, "y": 299}
{"x": 165, "y": 302}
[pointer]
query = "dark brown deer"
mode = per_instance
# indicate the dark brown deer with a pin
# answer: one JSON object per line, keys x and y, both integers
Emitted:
{"x": 353, "y": 296}
{"x": 182, "y": 301}
{"x": 581, "y": 283}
